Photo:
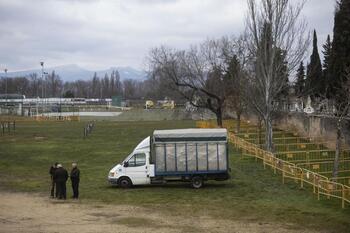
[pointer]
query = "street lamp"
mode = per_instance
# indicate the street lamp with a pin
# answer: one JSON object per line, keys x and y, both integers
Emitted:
{"x": 45, "y": 90}
{"x": 42, "y": 86}
{"x": 42, "y": 79}
{"x": 45, "y": 86}
{"x": 6, "y": 83}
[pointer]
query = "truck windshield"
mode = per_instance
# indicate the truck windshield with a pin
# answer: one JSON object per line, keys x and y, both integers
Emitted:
{"x": 127, "y": 158}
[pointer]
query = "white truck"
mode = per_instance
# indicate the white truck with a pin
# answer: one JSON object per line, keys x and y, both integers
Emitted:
{"x": 190, "y": 155}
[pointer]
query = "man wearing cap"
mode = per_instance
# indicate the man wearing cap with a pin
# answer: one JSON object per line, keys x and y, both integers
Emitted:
{"x": 75, "y": 178}
{"x": 61, "y": 177}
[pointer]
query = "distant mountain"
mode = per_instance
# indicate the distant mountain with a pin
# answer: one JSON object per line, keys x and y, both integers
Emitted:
{"x": 74, "y": 72}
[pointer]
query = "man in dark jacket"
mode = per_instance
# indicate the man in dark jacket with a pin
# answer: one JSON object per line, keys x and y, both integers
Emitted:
{"x": 53, "y": 182}
{"x": 61, "y": 177}
{"x": 75, "y": 178}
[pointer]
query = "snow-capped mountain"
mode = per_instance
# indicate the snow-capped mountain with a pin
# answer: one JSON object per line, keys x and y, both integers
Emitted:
{"x": 74, "y": 72}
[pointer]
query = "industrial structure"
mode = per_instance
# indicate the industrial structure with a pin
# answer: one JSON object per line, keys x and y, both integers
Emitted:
{"x": 14, "y": 104}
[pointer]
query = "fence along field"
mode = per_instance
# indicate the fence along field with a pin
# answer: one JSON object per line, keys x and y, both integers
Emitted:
{"x": 305, "y": 160}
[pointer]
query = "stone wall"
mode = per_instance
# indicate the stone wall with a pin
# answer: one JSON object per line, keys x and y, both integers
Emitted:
{"x": 308, "y": 125}
{"x": 314, "y": 126}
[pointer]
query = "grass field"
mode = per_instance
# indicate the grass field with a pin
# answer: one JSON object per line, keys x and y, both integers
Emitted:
{"x": 253, "y": 194}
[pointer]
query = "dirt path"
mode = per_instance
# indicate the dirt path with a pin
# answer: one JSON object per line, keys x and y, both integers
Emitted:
{"x": 33, "y": 213}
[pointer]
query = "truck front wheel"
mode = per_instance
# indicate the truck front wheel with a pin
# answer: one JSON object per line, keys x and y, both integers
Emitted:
{"x": 124, "y": 182}
{"x": 197, "y": 182}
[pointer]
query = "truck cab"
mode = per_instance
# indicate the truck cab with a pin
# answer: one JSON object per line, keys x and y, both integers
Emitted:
{"x": 135, "y": 168}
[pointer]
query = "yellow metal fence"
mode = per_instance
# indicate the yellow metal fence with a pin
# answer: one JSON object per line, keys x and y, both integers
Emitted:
{"x": 306, "y": 156}
{"x": 57, "y": 118}
{"x": 302, "y": 173}
{"x": 39, "y": 118}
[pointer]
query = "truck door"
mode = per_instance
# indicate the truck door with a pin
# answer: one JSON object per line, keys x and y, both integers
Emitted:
{"x": 137, "y": 169}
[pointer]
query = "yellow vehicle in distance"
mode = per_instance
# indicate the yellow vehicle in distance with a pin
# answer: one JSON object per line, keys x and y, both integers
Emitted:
{"x": 161, "y": 104}
{"x": 149, "y": 104}
{"x": 167, "y": 104}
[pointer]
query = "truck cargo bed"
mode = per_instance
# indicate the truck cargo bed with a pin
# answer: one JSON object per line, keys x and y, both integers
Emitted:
{"x": 190, "y": 151}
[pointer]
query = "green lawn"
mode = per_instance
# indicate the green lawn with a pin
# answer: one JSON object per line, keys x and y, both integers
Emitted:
{"x": 253, "y": 194}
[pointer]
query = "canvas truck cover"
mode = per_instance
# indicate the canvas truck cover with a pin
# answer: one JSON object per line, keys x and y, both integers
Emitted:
{"x": 189, "y": 151}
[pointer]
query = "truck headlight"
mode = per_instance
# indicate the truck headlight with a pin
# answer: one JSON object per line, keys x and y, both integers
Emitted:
{"x": 111, "y": 174}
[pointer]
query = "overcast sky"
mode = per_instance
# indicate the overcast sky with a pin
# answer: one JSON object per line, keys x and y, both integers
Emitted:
{"x": 100, "y": 34}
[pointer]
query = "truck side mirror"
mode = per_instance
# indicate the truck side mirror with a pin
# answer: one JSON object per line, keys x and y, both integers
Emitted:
{"x": 126, "y": 164}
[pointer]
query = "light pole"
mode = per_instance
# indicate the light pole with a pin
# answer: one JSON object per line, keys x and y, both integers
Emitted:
{"x": 42, "y": 79}
{"x": 6, "y": 83}
{"x": 45, "y": 86}
{"x": 45, "y": 91}
{"x": 42, "y": 86}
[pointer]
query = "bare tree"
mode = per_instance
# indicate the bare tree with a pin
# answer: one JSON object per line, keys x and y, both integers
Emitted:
{"x": 82, "y": 89}
{"x": 54, "y": 85}
{"x": 118, "y": 84}
{"x": 196, "y": 74}
{"x": 130, "y": 88}
{"x": 273, "y": 31}
{"x": 235, "y": 54}
{"x": 112, "y": 84}
{"x": 105, "y": 86}
{"x": 341, "y": 112}
{"x": 96, "y": 86}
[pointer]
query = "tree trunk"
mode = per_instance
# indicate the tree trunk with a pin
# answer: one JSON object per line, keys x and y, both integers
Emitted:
{"x": 259, "y": 131}
{"x": 219, "y": 117}
{"x": 238, "y": 122}
{"x": 269, "y": 133}
{"x": 337, "y": 151}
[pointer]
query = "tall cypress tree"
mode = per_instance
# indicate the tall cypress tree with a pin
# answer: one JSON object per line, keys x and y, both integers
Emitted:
{"x": 327, "y": 50}
{"x": 314, "y": 72}
{"x": 280, "y": 58}
{"x": 300, "y": 83}
{"x": 340, "y": 57}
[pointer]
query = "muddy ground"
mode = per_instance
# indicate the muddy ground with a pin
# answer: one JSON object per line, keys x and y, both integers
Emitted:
{"x": 21, "y": 212}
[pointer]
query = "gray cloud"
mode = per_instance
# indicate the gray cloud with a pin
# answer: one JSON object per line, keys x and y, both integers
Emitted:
{"x": 99, "y": 34}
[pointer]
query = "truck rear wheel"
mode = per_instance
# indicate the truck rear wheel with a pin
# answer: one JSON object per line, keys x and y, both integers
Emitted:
{"x": 124, "y": 182}
{"x": 197, "y": 182}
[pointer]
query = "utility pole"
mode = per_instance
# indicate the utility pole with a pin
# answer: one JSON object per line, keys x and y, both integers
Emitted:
{"x": 42, "y": 87}
{"x": 46, "y": 74}
{"x": 42, "y": 79}
{"x": 6, "y": 88}
{"x": 6, "y": 83}
{"x": 45, "y": 90}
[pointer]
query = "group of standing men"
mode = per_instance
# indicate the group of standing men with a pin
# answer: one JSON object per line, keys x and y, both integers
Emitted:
{"x": 59, "y": 177}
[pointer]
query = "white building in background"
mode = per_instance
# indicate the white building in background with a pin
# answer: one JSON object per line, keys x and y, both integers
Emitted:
{"x": 14, "y": 104}
{"x": 72, "y": 101}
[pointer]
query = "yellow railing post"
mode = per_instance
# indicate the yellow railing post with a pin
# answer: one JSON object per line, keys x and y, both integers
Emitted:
{"x": 314, "y": 184}
{"x": 343, "y": 197}
{"x": 302, "y": 179}
{"x": 328, "y": 193}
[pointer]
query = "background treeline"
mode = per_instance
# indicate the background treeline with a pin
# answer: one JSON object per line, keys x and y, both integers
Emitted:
{"x": 52, "y": 85}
